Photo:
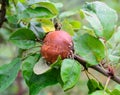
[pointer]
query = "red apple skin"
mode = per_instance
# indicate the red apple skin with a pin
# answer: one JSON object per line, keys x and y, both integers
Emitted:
{"x": 57, "y": 43}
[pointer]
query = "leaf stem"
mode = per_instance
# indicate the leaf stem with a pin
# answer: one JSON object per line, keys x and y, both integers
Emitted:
{"x": 107, "y": 82}
{"x": 87, "y": 74}
{"x": 93, "y": 76}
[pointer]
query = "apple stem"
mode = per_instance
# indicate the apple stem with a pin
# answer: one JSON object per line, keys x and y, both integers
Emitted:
{"x": 57, "y": 26}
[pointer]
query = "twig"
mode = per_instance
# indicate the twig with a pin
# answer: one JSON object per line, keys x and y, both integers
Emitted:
{"x": 97, "y": 68}
{"x": 2, "y": 12}
{"x": 21, "y": 90}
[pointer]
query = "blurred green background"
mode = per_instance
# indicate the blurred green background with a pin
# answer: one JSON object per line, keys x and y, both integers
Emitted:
{"x": 9, "y": 51}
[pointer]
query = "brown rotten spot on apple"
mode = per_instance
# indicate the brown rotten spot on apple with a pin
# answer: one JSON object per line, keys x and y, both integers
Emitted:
{"x": 57, "y": 43}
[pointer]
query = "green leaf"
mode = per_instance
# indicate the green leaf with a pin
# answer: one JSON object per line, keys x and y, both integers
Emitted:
{"x": 101, "y": 92}
{"x": 67, "y": 27}
{"x": 37, "y": 82}
{"x": 47, "y": 25}
{"x": 20, "y": 7}
{"x": 37, "y": 30}
{"x": 102, "y": 18}
{"x": 27, "y": 67}
{"x": 58, "y": 5}
{"x": 94, "y": 85}
{"x": 89, "y": 31}
{"x": 115, "y": 39}
{"x": 70, "y": 73}
{"x": 12, "y": 19}
{"x": 75, "y": 24}
{"x": 115, "y": 92}
{"x": 96, "y": 24}
{"x": 30, "y": 2}
{"x": 117, "y": 87}
{"x": 67, "y": 13}
{"x": 50, "y": 6}
{"x": 57, "y": 63}
{"x": 23, "y": 38}
{"x": 90, "y": 48}
{"x": 38, "y": 12}
{"x": 8, "y": 73}
{"x": 114, "y": 47}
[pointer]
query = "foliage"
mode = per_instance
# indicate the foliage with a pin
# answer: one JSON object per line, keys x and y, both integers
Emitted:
{"x": 95, "y": 38}
{"x": 8, "y": 73}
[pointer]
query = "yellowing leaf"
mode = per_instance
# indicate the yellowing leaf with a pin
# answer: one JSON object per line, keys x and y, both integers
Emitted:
{"x": 47, "y": 25}
{"x": 48, "y": 28}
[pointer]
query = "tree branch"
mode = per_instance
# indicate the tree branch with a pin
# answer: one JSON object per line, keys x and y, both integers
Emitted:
{"x": 2, "y": 11}
{"x": 97, "y": 68}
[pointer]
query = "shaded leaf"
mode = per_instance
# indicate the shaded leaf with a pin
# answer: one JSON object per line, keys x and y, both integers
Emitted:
{"x": 8, "y": 73}
{"x": 27, "y": 67}
{"x": 38, "y": 12}
{"x": 12, "y": 19}
{"x": 37, "y": 82}
{"x": 37, "y": 29}
{"x": 23, "y": 38}
{"x": 94, "y": 85}
{"x": 57, "y": 63}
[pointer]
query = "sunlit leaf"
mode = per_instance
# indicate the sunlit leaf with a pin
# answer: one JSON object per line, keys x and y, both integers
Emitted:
{"x": 68, "y": 13}
{"x": 101, "y": 17}
{"x": 114, "y": 47}
{"x": 90, "y": 48}
{"x": 101, "y": 92}
{"x": 66, "y": 26}
{"x": 115, "y": 92}
{"x": 70, "y": 73}
{"x": 47, "y": 25}
{"x": 30, "y": 2}
{"x": 50, "y": 6}
{"x": 75, "y": 24}
{"x": 96, "y": 24}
